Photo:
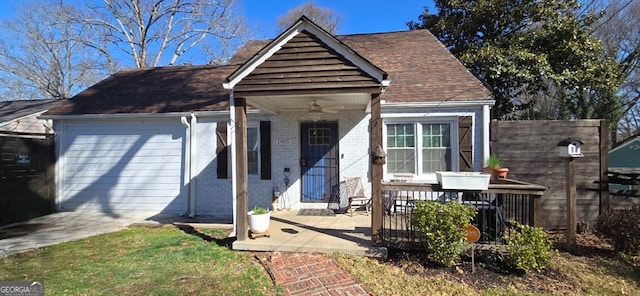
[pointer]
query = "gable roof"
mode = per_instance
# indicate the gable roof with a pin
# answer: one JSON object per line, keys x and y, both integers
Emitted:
{"x": 302, "y": 46}
{"x": 420, "y": 68}
{"x": 306, "y": 64}
{"x": 624, "y": 143}
{"x": 12, "y": 110}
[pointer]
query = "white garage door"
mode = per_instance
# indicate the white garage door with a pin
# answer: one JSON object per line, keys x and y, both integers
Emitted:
{"x": 123, "y": 165}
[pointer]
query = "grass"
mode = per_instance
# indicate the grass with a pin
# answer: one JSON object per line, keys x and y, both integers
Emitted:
{"x": 383, "y": 279}
{"x": 584, "y": 276}
{"x": 185, "y": 261}
{"x": 600, "y": 275}
{"x": 143, "y": 261}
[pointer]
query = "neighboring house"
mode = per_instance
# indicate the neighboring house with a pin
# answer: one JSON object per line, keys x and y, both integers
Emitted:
{"x": 626, "y": 154}
{"x": 21, "y": 116}
{"x": 624, "y": 164}
{"x": 161, "y": 139}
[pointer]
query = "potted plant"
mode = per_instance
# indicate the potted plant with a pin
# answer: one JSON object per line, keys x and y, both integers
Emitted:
{"x": 259, "y": 219}
{"x": 493, "y": 167}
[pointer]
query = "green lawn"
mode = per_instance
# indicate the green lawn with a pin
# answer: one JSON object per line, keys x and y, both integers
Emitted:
{"x": 143, "y": 261}
{"x": 171, "y": 261}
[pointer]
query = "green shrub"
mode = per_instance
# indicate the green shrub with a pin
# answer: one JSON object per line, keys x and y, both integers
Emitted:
{"x": 440, "y": 227}
{"x": 528, "y": 247}
{"x": 622, "y": 229}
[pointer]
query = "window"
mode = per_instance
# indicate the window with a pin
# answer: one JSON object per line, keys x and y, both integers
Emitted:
{"x": 436, "y": 148}
{"x": 319, "y": 136}
{"x": 401, "y": 148}
{"x": 253, "y": 150}
{"x": 419, "y": 148}
{"x": 258, "y": 150}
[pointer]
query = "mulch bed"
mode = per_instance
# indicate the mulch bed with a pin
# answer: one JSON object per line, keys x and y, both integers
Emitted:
{"x": 490, "y": 275}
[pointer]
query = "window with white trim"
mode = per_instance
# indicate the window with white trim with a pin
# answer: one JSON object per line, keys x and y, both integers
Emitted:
{"x": 436, "y": 147}
{"x": 401, "y": 152}
{"x": 420, "y": 148}
{"x": 253, "y": 150}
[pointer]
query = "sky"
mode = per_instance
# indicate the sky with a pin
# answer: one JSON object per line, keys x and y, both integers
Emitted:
{"x": 357, "y": 16}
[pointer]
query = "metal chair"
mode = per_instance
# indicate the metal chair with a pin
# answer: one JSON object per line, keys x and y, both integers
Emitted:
{"x": 355, "y": 192}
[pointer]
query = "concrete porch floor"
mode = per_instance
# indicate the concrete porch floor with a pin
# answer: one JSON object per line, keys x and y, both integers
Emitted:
{"x": 316, "y": 230}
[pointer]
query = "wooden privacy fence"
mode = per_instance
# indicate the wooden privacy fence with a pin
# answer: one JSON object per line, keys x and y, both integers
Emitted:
{"x": 529, "y": 149}
{"x": 503, "y": 201}
{"x": 26, "y": 176}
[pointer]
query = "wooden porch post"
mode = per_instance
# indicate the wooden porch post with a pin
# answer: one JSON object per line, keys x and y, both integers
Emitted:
{"x": 241, "y": 173}
{"x": 377, "y": 207}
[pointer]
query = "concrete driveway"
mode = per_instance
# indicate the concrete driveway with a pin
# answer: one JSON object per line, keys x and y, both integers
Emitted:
{"x": 69, "y": 226}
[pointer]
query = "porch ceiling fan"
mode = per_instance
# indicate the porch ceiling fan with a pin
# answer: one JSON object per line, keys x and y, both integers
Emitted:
{"x": 317, "y": 109}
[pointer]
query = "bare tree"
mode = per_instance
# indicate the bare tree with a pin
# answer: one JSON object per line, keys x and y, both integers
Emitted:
{"x": 40, "y": 59}
{"x": 150, "y": 33}
{"x": 620, "y": 35}
{"x": 543, "y": 103}
{"x": 323, "y": 17}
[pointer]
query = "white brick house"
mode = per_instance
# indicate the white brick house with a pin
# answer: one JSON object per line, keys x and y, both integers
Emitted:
{"x": 162, "y": 139}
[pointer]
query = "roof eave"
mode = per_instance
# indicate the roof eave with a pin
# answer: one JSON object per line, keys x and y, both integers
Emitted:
{"x": 441, "y": 104}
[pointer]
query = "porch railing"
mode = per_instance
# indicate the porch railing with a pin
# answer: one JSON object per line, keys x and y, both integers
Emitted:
{"x": 504, "y": 200}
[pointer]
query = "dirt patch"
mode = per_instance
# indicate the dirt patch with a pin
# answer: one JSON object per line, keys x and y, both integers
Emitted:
{"x": 490, "y": 273}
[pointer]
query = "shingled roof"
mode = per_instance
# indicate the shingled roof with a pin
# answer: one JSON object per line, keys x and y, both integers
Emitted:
{"x": 12, "y": 110}
{"x": 153, "y": 90}
{"x": 420, "y": 68}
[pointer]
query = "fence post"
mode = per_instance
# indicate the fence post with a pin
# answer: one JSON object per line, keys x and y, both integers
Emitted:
{"x": 571, "y": 203}
{"x": 535, "y": 208}
{"x": 604, "y": 167}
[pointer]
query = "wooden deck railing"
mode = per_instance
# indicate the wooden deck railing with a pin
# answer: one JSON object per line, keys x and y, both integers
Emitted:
{"x": 504, "y": 200}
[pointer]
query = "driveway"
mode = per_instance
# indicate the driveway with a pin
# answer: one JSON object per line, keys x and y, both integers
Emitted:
{"x": 69, "y": 226}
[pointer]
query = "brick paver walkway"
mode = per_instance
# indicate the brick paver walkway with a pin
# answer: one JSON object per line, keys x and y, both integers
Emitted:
{"x": 312, "y": 274}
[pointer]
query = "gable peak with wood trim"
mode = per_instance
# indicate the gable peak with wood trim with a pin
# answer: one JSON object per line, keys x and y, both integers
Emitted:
{"x": 306, "y": 58}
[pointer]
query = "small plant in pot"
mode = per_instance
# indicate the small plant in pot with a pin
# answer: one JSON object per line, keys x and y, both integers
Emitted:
{"x": 259, "y": 219}
{"x": 494, "y": 168}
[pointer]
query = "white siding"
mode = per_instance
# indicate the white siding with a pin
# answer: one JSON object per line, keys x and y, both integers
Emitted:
{"x": 121, "y": 165}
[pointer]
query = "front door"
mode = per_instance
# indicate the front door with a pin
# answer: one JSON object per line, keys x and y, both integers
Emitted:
{"x": 319, "y": 162}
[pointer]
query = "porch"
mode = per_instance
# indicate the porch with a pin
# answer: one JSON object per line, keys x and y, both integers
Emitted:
{"x": 316, "y": 230}
{"x": 505, "y": 200}
{"x": 322, "y": 230}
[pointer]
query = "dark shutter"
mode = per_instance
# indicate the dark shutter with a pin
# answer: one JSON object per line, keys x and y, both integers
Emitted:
{"x": 222, "y": 150}
{"x": 465, "y": 143}
{"x": 265, "y": 150}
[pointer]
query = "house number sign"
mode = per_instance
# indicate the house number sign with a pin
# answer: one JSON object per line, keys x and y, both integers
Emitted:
{"x": 283, "y": 141}
{"x": 23, "y": 159}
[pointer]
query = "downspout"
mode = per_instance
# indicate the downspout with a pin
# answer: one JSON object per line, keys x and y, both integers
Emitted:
{"x": 231, "y": 136}
{"x": 193, "y": 166}
{"x": 187, "y": 162}
{"x": 486, "y": 123}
